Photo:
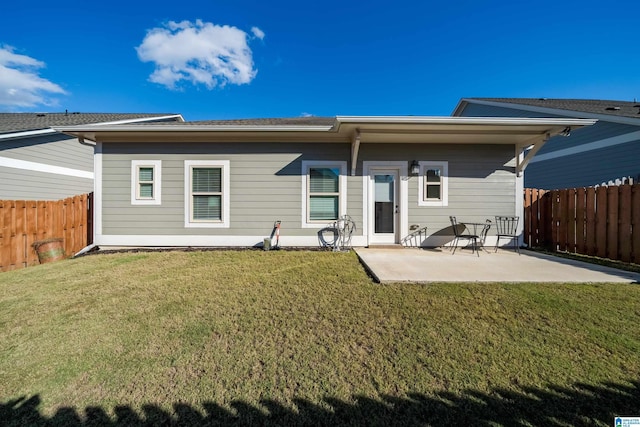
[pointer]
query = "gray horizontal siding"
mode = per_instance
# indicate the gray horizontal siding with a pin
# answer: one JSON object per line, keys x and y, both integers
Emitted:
{"x": 478, "y": 110}
{"x": 266, "y": 185}
{"x": 56, "y": 150}
{"x": 574, "y": 170}
{"x": 19, "y": 184}
{"x": 600, "y": 130}
{"x": 585, "y": 169}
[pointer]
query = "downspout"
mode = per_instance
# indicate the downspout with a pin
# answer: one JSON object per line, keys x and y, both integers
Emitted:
{"x": 83, "y": 142}
{"x": 92, "y": 245}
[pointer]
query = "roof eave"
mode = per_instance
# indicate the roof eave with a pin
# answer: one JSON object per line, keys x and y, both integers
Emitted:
{"x": 373, "y": 129}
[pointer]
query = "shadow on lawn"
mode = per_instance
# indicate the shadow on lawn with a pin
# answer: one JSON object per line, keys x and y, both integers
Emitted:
{"x": 580, "y": 405}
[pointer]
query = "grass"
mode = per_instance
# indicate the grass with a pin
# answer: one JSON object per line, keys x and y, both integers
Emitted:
{"x": 282, "y": 338}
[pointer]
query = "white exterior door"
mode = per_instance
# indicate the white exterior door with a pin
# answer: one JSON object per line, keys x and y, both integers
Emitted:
{"x": 385, "y": 201}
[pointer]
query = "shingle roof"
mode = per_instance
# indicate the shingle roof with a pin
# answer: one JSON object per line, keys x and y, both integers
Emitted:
{"x": 593, "y": 106}
{"x": 18, "y": 122}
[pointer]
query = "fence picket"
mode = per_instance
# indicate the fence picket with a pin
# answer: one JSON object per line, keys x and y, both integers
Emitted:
{"x": 21, "y": 235}
{"x": 571, "y": 220}
{"x": 612, "y": 221}
{"x": 563, "y": 219}
{"x": 601, "y": 222}
{"x": 624, "y": 227}
{"x": 590, "y": 226}
{"x": 581, "y": 195}
{"x": 635, "y": 224}
{"x": 527, "y": 216}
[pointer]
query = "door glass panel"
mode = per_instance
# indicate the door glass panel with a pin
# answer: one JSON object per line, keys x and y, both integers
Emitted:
{"x": 384, "y": 185}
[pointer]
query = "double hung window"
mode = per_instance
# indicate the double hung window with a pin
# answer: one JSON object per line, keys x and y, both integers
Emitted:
{"x": 433, "y": 188}
{"x": 324, "y": 192}
{"x": 207, "y": 193}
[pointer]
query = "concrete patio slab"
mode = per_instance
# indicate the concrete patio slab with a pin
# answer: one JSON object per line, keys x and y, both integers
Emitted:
{"x": 435, "y": 265}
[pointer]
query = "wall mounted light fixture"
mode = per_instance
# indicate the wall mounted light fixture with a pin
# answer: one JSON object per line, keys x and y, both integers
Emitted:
{"x": 415, "y": 168}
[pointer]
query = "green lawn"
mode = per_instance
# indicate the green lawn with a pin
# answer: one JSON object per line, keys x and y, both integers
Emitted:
{"x": 290, "y": 338}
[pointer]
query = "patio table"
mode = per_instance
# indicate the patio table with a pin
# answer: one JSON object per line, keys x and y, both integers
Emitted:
{"x": 480, "y": 229}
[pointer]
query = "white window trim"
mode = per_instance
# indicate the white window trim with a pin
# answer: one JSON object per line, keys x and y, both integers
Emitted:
{"x": 444, "y": 200}
{"x": 342, "y": 190}
{"x": 224, "y": 164}
{"x": 157, "y": 181}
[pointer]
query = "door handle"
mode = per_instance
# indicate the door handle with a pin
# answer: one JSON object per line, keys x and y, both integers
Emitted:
{"x": 396, "y": 208}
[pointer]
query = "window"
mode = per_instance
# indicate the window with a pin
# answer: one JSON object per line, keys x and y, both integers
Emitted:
{"x": 207, "y": 193}
{"x": 433, "y": 186}
{"x": 324, "y": 191}
{"x": 146, "y": 182}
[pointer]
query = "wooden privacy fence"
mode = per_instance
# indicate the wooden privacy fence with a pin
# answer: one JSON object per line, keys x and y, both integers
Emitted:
{"x": 602, "y": 221}
{"x": 24, "y": 222}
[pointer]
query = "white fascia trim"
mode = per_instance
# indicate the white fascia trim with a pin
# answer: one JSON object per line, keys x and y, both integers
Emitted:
{"x": 306, "y": 164}
{"x": 157, "y": 182}
{"x": 27, "y": 133}
{"x": 42, "y": 167}
{"x": 444, "y": 200}
{"x": 226, "y": 188}
{"x": 556, "y": 112}
{"x": 209, "y": 241}
{"x": 138, "y": 120}
{"x": 596, "y": 145}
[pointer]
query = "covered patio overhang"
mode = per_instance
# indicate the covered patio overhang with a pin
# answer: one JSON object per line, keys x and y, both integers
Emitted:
{"x": 528, "y": 135}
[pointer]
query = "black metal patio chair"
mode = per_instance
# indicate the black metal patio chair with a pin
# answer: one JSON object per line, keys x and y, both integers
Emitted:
{"x": 507, "y": 228}
{"x": 458, "y": 231}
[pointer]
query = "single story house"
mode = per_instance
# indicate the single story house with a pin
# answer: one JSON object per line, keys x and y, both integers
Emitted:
{"x": 39, "y": 163}
{"x": 225, "y": 183}
{"x": 607, "y": 151}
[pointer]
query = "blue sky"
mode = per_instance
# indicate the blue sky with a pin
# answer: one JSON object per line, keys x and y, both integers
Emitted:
{"x": 289, "y": 59}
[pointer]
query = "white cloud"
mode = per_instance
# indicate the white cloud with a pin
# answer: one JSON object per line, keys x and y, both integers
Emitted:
{"x": 200, "y": 53}
{"x": 257, "y": 32}
{"x": 20, "y": 84}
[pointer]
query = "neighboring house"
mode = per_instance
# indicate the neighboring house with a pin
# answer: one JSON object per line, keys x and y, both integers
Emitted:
{"x": 601, "y": 153}
{"x": 225, "y": 183}
{"x": 38, "y": 163}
